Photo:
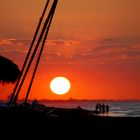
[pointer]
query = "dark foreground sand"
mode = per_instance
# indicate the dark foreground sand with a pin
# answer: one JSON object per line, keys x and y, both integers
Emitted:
{"x": 76, "y": 121}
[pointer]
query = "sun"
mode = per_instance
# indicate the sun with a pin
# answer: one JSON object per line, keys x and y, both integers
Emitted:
{"x": 60, "y": 85}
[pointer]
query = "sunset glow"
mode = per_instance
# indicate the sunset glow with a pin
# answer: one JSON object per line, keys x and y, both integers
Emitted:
{"x": 95, "y": 44}
{"x": 60, "y": 85}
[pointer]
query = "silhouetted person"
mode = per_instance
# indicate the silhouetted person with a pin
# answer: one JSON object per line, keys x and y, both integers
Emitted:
{"x": 79, "y": 108}
{"x": 107, "y": 108}
{"x": 35, "y": 102}
{"x": 103, "y": 108}
{"x": 98, "y": 108}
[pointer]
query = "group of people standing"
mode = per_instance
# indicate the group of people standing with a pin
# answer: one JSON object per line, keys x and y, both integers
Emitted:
{"x": 102, "y": 108}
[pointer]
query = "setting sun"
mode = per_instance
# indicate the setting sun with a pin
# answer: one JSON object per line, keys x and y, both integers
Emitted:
{"x": 60, "y": 85}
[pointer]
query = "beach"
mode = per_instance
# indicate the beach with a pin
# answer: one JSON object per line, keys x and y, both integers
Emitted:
{"x": 74, "y": 120}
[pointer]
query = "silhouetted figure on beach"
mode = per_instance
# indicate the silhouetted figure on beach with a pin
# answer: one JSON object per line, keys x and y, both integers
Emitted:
{"x": 35, "y": 102}
{"x": 79, "y": 107}
{"x": 98, "y": 107}
{"x": 107, "y": 108}
{"x": 103, "y": 108}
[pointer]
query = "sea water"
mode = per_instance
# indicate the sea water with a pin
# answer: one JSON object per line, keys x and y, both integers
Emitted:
{"x": 117, "y": 108}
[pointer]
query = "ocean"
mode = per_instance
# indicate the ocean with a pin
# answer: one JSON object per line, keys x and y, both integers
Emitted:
{"x": 117, "y": 108}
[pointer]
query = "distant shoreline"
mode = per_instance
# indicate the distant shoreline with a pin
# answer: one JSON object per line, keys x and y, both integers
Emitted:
{"x": 67, "y": 100}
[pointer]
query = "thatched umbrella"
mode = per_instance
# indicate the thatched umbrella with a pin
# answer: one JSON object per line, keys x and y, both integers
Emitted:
{"x": 9, "y": 71}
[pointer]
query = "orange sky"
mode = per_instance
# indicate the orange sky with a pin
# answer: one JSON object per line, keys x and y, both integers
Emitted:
{"x": 96, "y": 44}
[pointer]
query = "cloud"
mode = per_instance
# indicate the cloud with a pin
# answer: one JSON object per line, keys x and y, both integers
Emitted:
{"x": 65, "y": 48}
{"x": 136, "y": 46}
{"x": 11, "y": 44}
{"x": 78, "y": 51}
{"x": 5, "y": 42}
{"x": 114, "y": 50}
{"x": 14, "y": 49}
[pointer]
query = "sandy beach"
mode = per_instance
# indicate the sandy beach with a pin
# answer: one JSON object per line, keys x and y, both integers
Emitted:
{"x": 62, "y": 119}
